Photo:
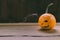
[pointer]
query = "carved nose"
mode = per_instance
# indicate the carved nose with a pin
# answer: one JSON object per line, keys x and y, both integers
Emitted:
{"x": 46, "y": 21}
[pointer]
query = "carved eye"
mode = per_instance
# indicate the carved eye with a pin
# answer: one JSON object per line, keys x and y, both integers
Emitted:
{"x": 46, "y": 21}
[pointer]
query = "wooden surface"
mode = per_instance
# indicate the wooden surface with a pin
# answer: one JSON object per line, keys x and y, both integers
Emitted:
{"x": 27, "y": 31}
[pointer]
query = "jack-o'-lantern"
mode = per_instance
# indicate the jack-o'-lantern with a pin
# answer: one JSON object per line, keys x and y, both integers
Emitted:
{"x": 47, "y": 20}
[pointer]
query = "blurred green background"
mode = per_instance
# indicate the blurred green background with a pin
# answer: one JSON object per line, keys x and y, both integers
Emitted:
{"x": 14, "y": 11}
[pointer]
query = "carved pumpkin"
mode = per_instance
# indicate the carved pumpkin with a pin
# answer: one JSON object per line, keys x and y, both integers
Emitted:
{"x": 47, "y": 20}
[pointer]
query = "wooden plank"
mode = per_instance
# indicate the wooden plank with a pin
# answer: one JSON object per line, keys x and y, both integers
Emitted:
{"x": 4, "y": 9}
{"x": 27, "y": 32}
{"x": 25, "y": 24}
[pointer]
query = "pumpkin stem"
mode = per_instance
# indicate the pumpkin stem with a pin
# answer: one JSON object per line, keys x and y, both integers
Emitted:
{"x": 48, "y": 7}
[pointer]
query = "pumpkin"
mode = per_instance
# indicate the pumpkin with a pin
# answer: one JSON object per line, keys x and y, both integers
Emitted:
{"x": 47, "y": 21}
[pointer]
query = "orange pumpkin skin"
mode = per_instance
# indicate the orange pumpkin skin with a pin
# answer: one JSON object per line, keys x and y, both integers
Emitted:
{"x": 47, "y": 21}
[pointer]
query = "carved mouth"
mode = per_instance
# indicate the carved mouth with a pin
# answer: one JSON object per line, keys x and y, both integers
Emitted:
{"x": 46, "y": 27}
